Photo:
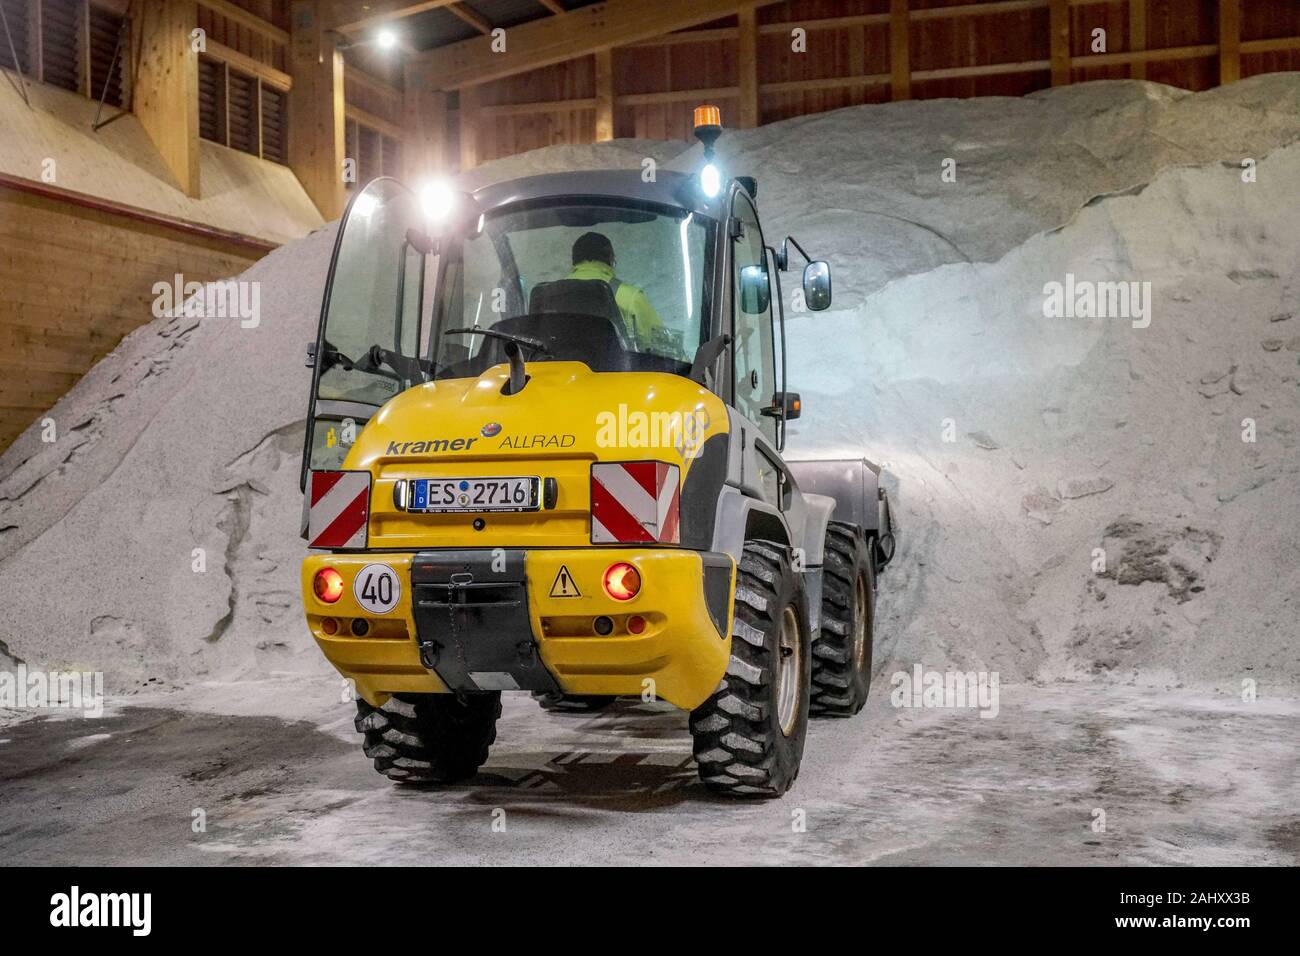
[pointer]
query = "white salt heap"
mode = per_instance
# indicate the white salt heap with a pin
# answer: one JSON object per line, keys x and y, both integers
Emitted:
{"x": 1070, "y": 434}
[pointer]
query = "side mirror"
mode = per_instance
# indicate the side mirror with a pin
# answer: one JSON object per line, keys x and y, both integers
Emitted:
{"x": 754, "y": 290}
{"x": 817, "y": 285}
{"x": 785, "y": 406}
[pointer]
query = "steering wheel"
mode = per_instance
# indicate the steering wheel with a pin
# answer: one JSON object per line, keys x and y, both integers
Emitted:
{"x": 524, "y": 340}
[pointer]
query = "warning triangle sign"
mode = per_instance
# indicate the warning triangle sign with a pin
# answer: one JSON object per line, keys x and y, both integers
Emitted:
{"x": 564, "y": 585}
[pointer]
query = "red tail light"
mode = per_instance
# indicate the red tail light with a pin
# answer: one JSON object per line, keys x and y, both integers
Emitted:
{"x": 328, "y": 585}
{"x": 622, "y": 581}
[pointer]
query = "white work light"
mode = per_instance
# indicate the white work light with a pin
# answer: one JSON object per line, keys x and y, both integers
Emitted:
{"x": 386, "y": 39}
{"x": 710, "y": 180}
{"x": 437, "y": 199}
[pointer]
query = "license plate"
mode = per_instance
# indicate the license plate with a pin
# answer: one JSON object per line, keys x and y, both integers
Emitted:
{"x": 474, "y": 494}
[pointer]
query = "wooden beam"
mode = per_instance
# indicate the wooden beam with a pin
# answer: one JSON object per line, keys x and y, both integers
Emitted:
{"x": 1274, "y": 45}
{"x": 1137, "y": 36}
{"x": 1147, "y": 56}
{"x": 166, "y": 93}
{"x": 316, "y": 110}
{"x": 1059, "y": 28}
{"x": 353, "y": 16}
{"x": 385, "y": 91}
{"x": 542, "y": 106}
{"x": 900, "y": 70}
{"x": 468, "y": 117}
{"x": 829, "y": 83}
{"x": 679, "y": 96}
{"x": 553, "y": 5}
{"x": 1229, "y": 41}
{"x": 424, "y": 114}
{"x": 715, "y": 35}
{"x": 577, "y": 33}
{"x": 986, "y": 69}
{"x": 604, "y": 95}
{"x": 953, "y": 12}
{"x": 470, "y": 16}
{"x": 747, "y": 67}
{"x": 246, "y": 64}
{"x": 247, "y": 20}
{"x": 377, "y": 123}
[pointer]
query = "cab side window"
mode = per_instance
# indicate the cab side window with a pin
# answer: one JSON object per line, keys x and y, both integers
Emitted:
{"x": 753, "y": 355}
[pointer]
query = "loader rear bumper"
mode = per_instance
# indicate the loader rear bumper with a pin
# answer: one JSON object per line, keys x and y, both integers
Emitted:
{"x": 540, "y": 624}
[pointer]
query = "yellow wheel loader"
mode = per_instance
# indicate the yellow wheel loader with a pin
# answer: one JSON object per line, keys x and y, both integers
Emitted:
{"x": 543, "y": 454}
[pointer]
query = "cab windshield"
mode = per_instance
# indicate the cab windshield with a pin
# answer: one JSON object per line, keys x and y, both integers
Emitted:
{"x": 619, "y": 287}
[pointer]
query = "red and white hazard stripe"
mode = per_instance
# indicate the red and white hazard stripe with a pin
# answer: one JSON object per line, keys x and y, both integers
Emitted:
{"x": 340, "y": 509}
{"x": 634, "y": 502}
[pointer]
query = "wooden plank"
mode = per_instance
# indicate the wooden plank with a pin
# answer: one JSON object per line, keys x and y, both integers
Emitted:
{"x": 539, "y": 106}
{"x": 980, "y": 9}
{"x": 1274, "y": 45}
{"x": 713, "y": 35}
{"x": 828, "y": 83}
{"x": 679, "y": 96}
{"x": 354, "y": 16}
{"x": 166, "y": 96}
{"x": 577, "y": 34}
{"x": 747, "y": 67}
{"x": 377, "y": 123}
{"x": 468, "y": 117}
{"x": 316, "y": 110}
{"x": 900, "y": 70}
{"x": 987, "y": 69}
{"x": 424, "y": 114}
{"x": 1147, "y": 56}
{"x": 1059, "y": 27}
{"x": 604, "y": 104}
{"x": 1229, "y": 41}
{"x": 246, "y": 64}
{"x": 247, "y": 20}
{"x": 1137, "y": 36}
{"x": 472, "y": 17}
{"x": 386, "y": 91}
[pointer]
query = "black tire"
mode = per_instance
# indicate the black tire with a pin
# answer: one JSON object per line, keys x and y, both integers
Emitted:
{"x": 740, "y": 745}
{"x": 429, "y": 738}
{"x": 572, "y": 703}
{"x": 842, "y": 655}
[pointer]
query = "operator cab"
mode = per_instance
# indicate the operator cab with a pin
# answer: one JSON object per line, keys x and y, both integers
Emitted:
{"x": 603, "y": 268}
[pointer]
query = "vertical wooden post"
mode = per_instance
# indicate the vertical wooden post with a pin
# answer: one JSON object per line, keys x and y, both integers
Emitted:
{"x": 85, "y": 81}
{"x": 166, "y": 94}
{"x": 1137, "y": 35}
{"x": 316, "y": 151}
{"x": 1229, "y": 41}
{"x": 469, "y": 119}
{"x": 857, "y": 61}
{"x": 747, "y": 67}
{"x": 604, "y": 95}
{"x": 35, "y": 54}
{"x": 424, "y": 152}
{"x": 1059, "y": 26}
{"x": 900, "y": 69}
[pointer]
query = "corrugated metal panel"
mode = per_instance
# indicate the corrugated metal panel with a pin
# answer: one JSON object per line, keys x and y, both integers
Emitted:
{"x": 212, "y": 100}
{"x": 105, "y": 69}
{"x": 274, "y": 126}
{"x": 15, "y": 12}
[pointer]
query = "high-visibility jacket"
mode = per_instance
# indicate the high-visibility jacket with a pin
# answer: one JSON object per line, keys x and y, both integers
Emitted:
{"x": 639, "y": 316}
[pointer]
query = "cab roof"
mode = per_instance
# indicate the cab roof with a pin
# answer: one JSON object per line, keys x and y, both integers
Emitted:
{"x": 670, "y": 188}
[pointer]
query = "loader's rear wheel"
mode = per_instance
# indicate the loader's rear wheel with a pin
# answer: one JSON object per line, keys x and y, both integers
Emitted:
{"x": 572, "y": 703}
{"x": 841, "y": 656}
{"x": 429, "y": 738}
{"x": 749, "y": 735}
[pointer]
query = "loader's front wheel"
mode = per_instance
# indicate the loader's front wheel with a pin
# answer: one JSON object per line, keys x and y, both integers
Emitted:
{"x": 429, "y": 738}
{"x": 749, "y": 735}
{"x": 841, "y": 657}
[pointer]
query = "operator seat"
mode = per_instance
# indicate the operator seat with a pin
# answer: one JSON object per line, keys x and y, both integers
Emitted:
{"x": 578, "y": 319}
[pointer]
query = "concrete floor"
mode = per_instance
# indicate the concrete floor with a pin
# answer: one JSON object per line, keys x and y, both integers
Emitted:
{"x": 1183, "y": 778}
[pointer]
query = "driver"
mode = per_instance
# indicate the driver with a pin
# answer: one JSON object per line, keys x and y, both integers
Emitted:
{"x": 593, "y": 258}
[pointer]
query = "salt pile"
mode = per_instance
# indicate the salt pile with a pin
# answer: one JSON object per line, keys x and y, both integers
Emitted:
{"x": 1070, "y": 435}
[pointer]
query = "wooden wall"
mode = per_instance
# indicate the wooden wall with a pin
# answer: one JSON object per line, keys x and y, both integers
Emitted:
{"x": 954, "y": 48}
{"x": 77, "y": 279}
